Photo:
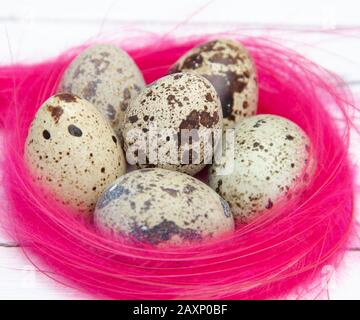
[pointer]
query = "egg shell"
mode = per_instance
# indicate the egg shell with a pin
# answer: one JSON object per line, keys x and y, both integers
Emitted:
{"x": 72, "y": 151}
{"x": 161, "y": 207}
{"x": 271, "y": 160}
{"x": 107, "y": 77}
{"x": 174, "y": 104}
{"x": 229, "y": 67}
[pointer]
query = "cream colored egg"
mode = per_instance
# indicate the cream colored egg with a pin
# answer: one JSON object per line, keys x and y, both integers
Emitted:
{"x": 107, "y": 77}
{"x": 176, "y": 115}
{"x": 229, "y": 67}
{"x": 72, "y": 151}
{"x": 271, "y": 161}
{"x": 159, "y": 206}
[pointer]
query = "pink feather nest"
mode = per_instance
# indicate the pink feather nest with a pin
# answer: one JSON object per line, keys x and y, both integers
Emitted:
{"x": 287, "y": 247}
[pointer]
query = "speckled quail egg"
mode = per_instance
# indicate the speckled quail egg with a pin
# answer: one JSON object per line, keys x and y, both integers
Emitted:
{"x": 107, "y": 77}
{"x": 230, "y": 69}
{"x": 271, "y": 160}
{"x": 72, "y": 151}
{"x": 159, "y": 206}
{"x": 177, "y": 115}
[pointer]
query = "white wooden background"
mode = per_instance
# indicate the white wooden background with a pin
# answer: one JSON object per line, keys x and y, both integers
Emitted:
{"x": 327, "y": 31}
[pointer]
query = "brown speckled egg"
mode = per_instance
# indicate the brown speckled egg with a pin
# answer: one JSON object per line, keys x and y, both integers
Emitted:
{"x": 172, "y": 107}
{"x": 72, "y": 151}
{"x": 230, "y": 69}
{"x": 271, "y": 160}
{"x": 159, "y": 206}
{"x": 107, "y": 77}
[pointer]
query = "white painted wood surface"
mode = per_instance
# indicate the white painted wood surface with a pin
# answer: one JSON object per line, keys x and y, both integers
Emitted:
{"x": 324, "y": 30}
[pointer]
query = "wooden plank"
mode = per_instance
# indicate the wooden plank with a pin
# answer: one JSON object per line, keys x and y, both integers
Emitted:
{"x": 22, "y": 42}
{"x": 305, "y": 12}
{"x": 20, "y": 280}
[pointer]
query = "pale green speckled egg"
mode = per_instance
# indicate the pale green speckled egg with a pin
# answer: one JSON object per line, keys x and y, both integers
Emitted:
{"x": 271, "y": 160}
{"x": 228, "y": 65}
{"x": 72, "y": 151}
{"x": 174, "y": 105}
{"x": 159, "y": 207}
{"x": 107, "y": 77}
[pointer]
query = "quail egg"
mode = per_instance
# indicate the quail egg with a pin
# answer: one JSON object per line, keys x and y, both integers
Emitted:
{"x": 159, "y": 207}
{"x": 72, "y": 151}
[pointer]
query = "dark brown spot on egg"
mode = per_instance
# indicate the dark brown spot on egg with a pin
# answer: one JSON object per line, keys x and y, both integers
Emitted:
{"x": 171, "y": 99}
{"x": 102, "y": 170}
{"x": 207, "y": 120}
{"x": 66, "y": 97}
{"x": 46, "y": 135}
{"x": 269, "y": 205}
{"x": 114, "y": 139}
{"x": 226, "y": 85}
{"x": 193, "y": 61}
{"x": 191, "y": 121}
{"x": 74, "y": 130}
{"x": 133, "y": 119}
{"x": 56, "y": 112}
{"x": 289, "y": 137}
{"x": 209, "y": 97}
